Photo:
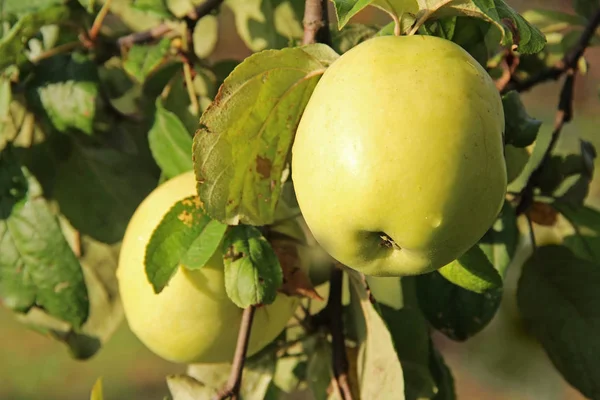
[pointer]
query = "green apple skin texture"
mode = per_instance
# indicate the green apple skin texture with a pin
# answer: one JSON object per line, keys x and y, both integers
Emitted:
{"x": 403, "y": 136}
{"x": 192, "y": 319}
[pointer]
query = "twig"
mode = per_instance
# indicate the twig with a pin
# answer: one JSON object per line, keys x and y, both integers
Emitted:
{"x": 509, "y": 63}
{"x": 569, "y": 62}
{"x": 232, "y": 387}
{"x": 189, "y": 84}
{"x": 63, "y": 48}
{"x": 316, "y": 22}
{"x": 563, "y": 116}
{"x": 338, "y": 342}
{"x": 99, "y": 20}
{"x": 158, "y": 31}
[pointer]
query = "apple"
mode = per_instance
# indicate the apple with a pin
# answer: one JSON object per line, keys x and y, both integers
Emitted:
{"x": 398, "y": 162}
{"x": 192, "y": 319}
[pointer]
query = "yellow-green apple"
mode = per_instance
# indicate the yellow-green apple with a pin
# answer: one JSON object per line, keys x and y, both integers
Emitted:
{"x": 398, "y": 161}
{"x": 192, "y": 319}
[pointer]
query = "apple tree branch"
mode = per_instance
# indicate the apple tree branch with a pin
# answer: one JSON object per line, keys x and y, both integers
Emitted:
{"x": 231, "y": 389}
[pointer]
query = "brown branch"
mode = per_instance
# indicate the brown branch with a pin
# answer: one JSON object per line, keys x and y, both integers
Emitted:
{"x": 569, "y": 61}
{"x": 563, "y": 116}
{"x": 509, "y": 64}
{"x": 158, "y": 31}
{"x": 231, "y": 389}
{"x": 336, "y": 326}
{"x": 316, "y": 22}
{"x": 95, "y": 30}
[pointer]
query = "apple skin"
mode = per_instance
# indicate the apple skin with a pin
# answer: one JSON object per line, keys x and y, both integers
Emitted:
{"x": 401, "y": 139}
{"x": 192, "y": 319}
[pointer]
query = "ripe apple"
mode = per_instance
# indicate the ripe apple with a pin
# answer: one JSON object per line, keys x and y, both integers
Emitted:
{"x": 192, "y": 319}
{"x": 398, "y": 159}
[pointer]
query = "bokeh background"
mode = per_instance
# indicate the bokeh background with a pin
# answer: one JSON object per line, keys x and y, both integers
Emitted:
{"x": 500, "y": 363}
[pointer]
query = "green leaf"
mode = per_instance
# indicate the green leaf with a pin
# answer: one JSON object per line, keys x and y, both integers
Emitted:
{"x": 442, "y": 375}
{"x": 20, "y": 8}
{"x": 456, "y": 312}
{"x": 586, "y": 8}
{"x": 183, "y": 387}
{"x": 252, "y": 270}
{"x": 242, "y": 147}
{"x": 178, "y": 99}
{"x": 542, "y": 143}
{"x": 185, "y": 236}
{"x": 411, "y": 341}
{"x": 520, "y": 129}
{"x": 205, "y": 36}
{"x": 380, "y": 374}
{"x": 585, "y": 242}
{"x": 567, "y": 178}
{"x": 319, "y": 372}
{"x": 473, "y": 271}
{"x": 204, "y": 246}
{"x": 443, "y": 28}
{"x": 552, "y": 21}
{"x": 97, "y": 392}
{"x": 477, "y": 37}
{"x": 123, "y": 93}
{"x": 13, "y": 43}
{"x": 258, "y": 375}
{"x": 500, "y": 241}
{"x": 65, "y": 90}
{"x": 351, "y": 35}
{"x": 170, "y": 142}
{"x": 255, "y": 23}
{"x": 37, "y": 266}
{"x": 346, "y": 9}
{"x": 158, "y": 7}
{"x": 99, "y": 188}
{"x": 514, "y": 28}
{"x": 143, "y": 59}
{"x": 560, "y": 304}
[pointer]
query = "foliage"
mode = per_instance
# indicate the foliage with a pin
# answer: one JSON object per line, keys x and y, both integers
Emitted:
{"x": 95, "y": 112}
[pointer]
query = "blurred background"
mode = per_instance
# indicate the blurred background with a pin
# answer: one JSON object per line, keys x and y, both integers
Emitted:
{"x": 500, "y": 363}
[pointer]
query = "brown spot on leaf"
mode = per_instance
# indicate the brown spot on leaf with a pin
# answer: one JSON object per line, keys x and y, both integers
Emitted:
{"x": 263, "y": 166}
{"x": 193, "y": 202}
{"x": 186, "y": 217}
{"x": 295, "y": 280}
{"x": 542, "y": 214}
{"x": 61, "y": 286}
{"x": 510, "y": 25}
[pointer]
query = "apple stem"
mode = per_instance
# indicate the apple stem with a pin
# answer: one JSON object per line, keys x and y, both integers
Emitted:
{"x": 336, "y": 327}
{"x": 231, "y": 389}
{"x": 316, "y": 22}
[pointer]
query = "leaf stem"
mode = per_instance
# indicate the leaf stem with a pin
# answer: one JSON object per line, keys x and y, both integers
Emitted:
{"x": 95, "y": 30}
{"x": 231, "y": 389}
{"x": 189, "y": 83}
